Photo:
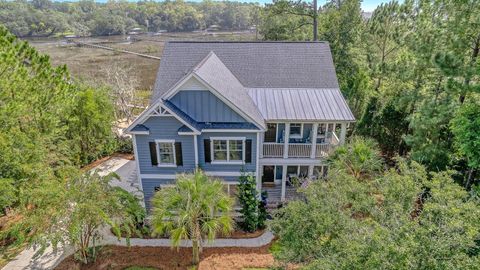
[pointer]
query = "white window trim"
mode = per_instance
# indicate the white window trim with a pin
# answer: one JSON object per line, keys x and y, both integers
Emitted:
{"x": 168, "y": 165}
{"x": 296, "y": 136}
{"x": 225, "y": 162}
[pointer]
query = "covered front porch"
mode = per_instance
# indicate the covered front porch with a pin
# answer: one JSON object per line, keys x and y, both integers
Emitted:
{"x": 281, "y": 182}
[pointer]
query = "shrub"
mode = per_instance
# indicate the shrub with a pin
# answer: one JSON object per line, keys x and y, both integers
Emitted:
{"x": 134, "y": 210}
{"x": 124, "y": 145}
{"x": 7, "y": 194}
{"x": 253, "y": 211}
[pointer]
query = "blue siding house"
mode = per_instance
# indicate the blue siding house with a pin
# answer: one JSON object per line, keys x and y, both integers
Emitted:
{"x": 273, "y": 109}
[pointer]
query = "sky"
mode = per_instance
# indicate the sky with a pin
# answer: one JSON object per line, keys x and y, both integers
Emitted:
{"x": 370, "y": 5}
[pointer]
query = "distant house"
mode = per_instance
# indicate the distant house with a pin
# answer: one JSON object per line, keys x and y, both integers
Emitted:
{"x": 213, "y": 27}
{"x": 135, "y": 31}
{"x": 273, "y": 109}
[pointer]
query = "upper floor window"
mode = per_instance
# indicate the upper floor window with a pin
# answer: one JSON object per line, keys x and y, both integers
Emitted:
{"x": 296, "y": 130}
{"x": 231, "y": 150}
{"x": 166, "y": 152}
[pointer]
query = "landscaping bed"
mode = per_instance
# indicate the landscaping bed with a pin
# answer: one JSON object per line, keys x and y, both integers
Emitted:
{"x": 119, "y": 258}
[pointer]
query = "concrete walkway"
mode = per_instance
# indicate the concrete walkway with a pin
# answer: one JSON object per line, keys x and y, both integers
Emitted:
{"x": 128, "y": 181}
{"x": 262, "y": 240}
{"x": 25, "y": 260}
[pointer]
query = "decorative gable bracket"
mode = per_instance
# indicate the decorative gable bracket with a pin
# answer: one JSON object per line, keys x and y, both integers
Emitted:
{"x": 160, "y": 111}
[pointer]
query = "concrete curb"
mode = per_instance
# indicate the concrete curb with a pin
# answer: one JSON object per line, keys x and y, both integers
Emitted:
{"x": 262, "y": 240}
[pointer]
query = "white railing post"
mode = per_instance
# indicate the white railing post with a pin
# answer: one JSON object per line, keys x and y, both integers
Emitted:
{"x": 261, "y": 139}
{"x": 284, "y": 182}
{"x": 343, "y": 133}
{"x": 314, "y": 140}
{"x": 285, "y": 140}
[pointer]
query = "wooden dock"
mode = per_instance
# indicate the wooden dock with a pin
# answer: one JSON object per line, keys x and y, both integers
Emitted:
{"x": 97, "y": 46}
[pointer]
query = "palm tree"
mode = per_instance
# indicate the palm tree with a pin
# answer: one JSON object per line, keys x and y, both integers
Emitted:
{"x": 196, "y": 208}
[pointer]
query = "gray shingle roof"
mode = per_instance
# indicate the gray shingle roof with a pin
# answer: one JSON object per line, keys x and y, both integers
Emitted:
{"x": 254, "y": 64}
{"x": 250, "y": 73}
{"x": 212, "y": 71}
{"x": 306, "y": 104}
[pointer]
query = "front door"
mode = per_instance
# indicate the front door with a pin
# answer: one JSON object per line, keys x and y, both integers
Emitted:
{"x": 268, "y": 174}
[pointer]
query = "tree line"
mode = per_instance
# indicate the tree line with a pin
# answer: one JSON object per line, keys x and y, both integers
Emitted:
{"x": 83, "y": 18}
{"x": 410, "y": 73}
{"x": 50, "y": 127}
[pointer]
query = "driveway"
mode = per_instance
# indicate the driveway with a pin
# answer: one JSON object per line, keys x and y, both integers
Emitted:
{"x": 126, "y": 170}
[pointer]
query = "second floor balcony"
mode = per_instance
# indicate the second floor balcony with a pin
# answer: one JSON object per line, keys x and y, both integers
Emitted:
{"x": 315, "y": 140}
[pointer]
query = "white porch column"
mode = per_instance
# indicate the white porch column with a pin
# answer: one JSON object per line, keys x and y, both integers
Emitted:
{"x": 195, "y": 142}
{"x": 314, "y": 140}
{"x": 258, "y": 173}
{"x": 284, "y": 182}
{"x": 286, "y": 139}
{"x": 343, "y": 133}
{"x": 310, "y": 171}
{"x": 260, "y": 140}
{"x": 137, "y": 165}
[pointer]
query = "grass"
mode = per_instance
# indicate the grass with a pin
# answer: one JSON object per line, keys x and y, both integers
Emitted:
{"x": 8, "y": 253}
{"x": 87, "y": 63}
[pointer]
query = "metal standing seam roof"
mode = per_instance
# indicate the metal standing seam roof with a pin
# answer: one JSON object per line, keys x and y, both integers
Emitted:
{"x": 306, "y": 104}
{"x": 140, "y": 127}
{"x": 204, "y": 126}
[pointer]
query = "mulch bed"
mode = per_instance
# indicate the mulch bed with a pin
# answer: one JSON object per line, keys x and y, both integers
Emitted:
{"x": 118, "y": 258}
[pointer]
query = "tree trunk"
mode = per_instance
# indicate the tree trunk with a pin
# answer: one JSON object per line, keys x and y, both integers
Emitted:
{"x": 315, "y": 21}
{"x": 196, "y": 252}
{"x": 469, "y": 178}
{"x": 473, "y": 59}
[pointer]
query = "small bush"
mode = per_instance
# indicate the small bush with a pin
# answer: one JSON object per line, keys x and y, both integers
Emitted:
{"x": 8, "y": 194}
{"x": 124, "y": 145}
{"x": 134, "y": 209}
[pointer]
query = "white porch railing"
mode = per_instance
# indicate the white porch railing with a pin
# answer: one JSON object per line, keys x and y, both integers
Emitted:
{"x": 323, "y": 150}
{"x": 299, "y": 150}
{"x": 334, "y": 140}
{"x": 273, "y": 150}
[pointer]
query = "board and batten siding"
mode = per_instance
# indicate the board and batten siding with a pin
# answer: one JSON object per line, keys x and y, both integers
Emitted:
{"x": 203, "y": 106}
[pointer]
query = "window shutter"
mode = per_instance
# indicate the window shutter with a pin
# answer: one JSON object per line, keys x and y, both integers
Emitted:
{"x": 153, "y": 153}
{"x": 206, "y": 148}
{"x": 178, "y": 153}
{"x": 248, "y": 151}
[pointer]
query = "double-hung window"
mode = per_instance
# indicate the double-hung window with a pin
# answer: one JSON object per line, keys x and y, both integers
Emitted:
{"x": 228, "y": 150}
{"x": 166, "y": 153}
